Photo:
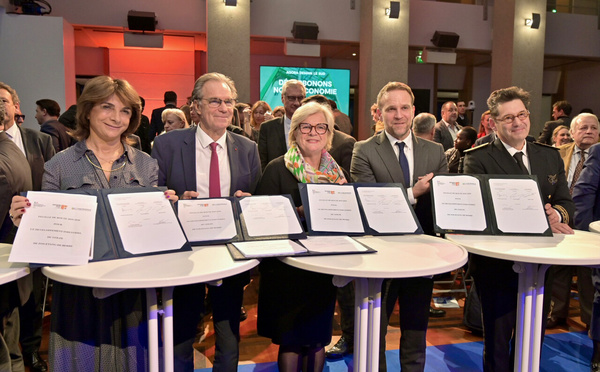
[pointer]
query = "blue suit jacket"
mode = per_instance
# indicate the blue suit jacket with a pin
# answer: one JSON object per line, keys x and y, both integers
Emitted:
{"x": 176, "y": 155}
{"x": 586, "y": 194}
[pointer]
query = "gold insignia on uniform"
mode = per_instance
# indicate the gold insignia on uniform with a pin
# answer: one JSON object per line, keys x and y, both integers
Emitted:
{"x": 553, "y": 179}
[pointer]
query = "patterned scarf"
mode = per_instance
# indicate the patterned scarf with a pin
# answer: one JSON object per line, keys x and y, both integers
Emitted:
{"x": 328, "y": 172}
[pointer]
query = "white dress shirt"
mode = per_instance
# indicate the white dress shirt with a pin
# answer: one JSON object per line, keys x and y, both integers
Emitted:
{"x": 408, "y": 152}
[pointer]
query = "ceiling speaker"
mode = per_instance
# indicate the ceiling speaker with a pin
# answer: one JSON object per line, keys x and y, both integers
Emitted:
{"x": 442, "y": 39}
{"x": 304, "y": 30}
{"x": 141, "y": 21}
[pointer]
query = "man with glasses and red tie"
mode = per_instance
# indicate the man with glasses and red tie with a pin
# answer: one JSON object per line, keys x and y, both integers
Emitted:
{"x": 201, "y": 162}
{"x": 273, "y": 138}
{"x": 510, "y": 153}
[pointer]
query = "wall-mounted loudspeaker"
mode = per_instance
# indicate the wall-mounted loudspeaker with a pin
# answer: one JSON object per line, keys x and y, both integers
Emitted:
{"x": 442, "y": 39}
{"x": 141, "y": 21}
{"x": 304, "y": 30}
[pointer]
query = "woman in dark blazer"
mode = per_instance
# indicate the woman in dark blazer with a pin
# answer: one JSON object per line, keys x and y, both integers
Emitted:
{"x": 295, "y": 307}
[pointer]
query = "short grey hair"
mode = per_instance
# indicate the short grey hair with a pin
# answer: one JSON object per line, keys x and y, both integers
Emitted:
{"x": 197, "y": 93}
{"x": 581, "y": 116}
{"x": 423, "y": 123}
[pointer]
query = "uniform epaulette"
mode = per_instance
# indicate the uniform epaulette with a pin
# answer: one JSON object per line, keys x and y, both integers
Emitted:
{"x": 545, "y": 145}
{"x": 478, "y": 147}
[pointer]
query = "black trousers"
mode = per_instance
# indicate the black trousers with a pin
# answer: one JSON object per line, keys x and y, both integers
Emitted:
{"x": 414, "y": 298}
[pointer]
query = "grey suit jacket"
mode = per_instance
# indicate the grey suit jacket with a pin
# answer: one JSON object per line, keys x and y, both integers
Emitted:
{"x": 374, "y": 161}
{"x": 38, "y": 150}
{"x": 176, "y": 155}
{"x": 442, "y": 135}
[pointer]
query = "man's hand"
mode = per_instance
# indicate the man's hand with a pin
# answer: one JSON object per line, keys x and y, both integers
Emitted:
{"x": 240, "y": 193}
{"x": 189, "y": 195}
{"x": 554, "y": 220}
{"x": 422, "y": 186}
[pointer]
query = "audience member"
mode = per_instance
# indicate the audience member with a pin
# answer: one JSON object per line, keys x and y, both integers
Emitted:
{"x": 586, "y": 196}
{"x": 484, "y": 125}
{"x": 68, "y": 117}
{"x": 19, "y": 117}
{"x": 184, "y": 159}
{"x": 15, "y": 177}
{"x": 462, "y": 119}
{"x": 156, "y": 123}
{"x": 342, "y": 121}
{"x": 398, "y": 156}
{"x": 560, "y": 113}
{"x": 584, "y": 129}
{"x": 273, "y": 138}
{"x": 47, "y": 112}
{"x": 423, "y": 126}
{"x": 561, "y": 136}
{"x": 278, "y": 112}
{"x": 38, "y": 149}
{"x": 465, "y": 139}
{"x": 259, "y": 113}
{"x": 447, "y": 128}
{"x": 510, "y": 153}
{"x": 243, "y": 109}
{"x": 143, "y": 129}
{"x": 173, "y": 119}
{"x": 377, "y": 123}
{"x": 296, "y": 306}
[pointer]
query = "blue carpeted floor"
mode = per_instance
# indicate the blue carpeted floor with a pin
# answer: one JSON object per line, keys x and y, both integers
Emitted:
{"x": 561, "y": 352}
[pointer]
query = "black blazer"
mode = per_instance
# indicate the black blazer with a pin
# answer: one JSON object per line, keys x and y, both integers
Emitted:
{"x": 38, "y": 150}
{"x": 271, "y": 141}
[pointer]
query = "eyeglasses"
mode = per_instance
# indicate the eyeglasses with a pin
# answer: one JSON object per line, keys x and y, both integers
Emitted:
{"x": 216, "y": 102}
{"x": 19, "y": 117}
{"x": 508, "y": 119}
{"x": 294, "y": 98}
{"x": 306, "y": 128}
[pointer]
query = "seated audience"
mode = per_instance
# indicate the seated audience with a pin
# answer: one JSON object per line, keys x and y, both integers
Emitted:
{"x": 174, "y": 119}
{"x": 278, "y": 112}
{"x": 424, "y": 125}
{"x": 465, "y": 138}
{"x": 561, "y": 136}
{"x": 259, "y": 113}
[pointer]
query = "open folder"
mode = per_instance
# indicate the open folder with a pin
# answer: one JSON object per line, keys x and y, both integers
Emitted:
{"x": 358, "y": 209}
{"x": 488, "y": 204}
{"x": 76, "y": 226}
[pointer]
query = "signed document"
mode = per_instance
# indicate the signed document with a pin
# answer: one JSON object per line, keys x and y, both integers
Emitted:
{"x": 57, "y": 229}
{"x": 146, "y": 222}
{"x": 518, "y": 206}
{"x": 207, "y": 219}
{"x": 332, "y": 244}
{"x": 458, "y": 203}
{"x": 269, "y": 248}
{"x": 387, "y": 210}
{"x": 334, "y": 208}
{"x": 269, "y": 216}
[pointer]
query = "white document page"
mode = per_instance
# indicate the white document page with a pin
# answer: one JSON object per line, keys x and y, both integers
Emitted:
{"x": 334, "y": 208}
{"x": 387, "y": 210}
{"x": 458, "y": 203}
{"x": 57, "y": 229}
{"x": 269, "y": 215}
{"x": 207, "y": 219}
{"x": 269, "y": 248}
{"x": 146, "y": 222}
{"x": 332, "y": 244}
{"x": 518, "y": 206}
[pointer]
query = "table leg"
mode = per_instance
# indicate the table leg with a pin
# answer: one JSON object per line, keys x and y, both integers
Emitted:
{"x": 374, "y": 323}
{"x": 167, "y": 296}
{"x": 530, "y": 308}
{"x": 152, "y": 306}
{"x": 361, "y": 323}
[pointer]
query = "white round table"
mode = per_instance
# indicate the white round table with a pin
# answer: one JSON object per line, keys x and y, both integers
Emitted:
{"x": 595, "y": 226}
{"x": 533, "y": 255}
{"x": 10, "y": 271}
{"x": 203, "y": 264}
{"x": 403, "y": 256}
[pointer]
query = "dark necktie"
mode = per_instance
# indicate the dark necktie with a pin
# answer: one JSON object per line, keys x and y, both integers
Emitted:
{"x": 519, "y": 159}
{"x": 214, "y": 183}
{"x": 577, "y": 172}
{"x": 404, "y": 164}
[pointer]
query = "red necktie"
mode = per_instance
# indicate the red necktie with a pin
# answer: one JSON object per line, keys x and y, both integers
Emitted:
{"x": 214, "y": 183}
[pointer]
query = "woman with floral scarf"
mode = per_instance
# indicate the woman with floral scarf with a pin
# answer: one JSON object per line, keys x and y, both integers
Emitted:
{"x": 295, "y": 307}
